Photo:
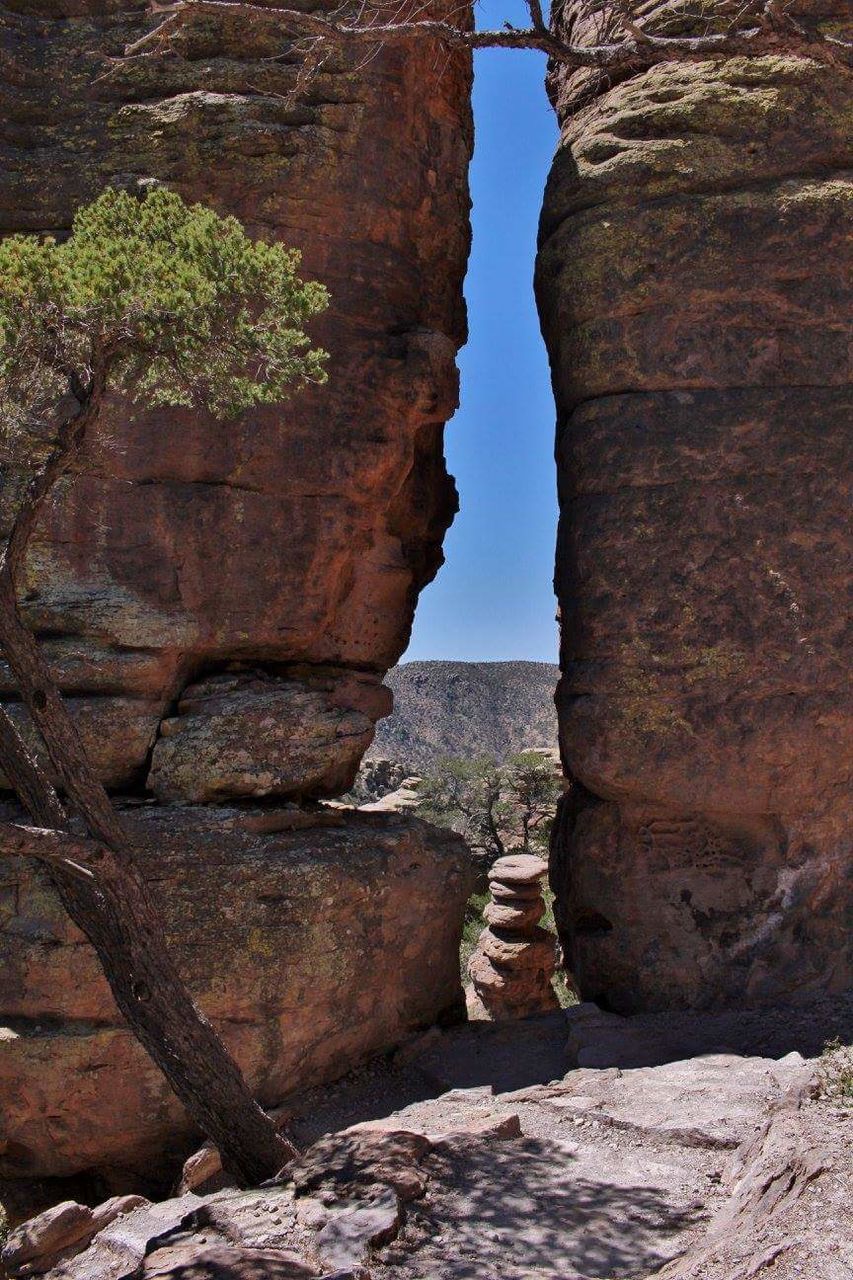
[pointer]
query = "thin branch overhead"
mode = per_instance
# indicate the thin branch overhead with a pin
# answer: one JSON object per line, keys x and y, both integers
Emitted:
{"x": 627, "y": 42}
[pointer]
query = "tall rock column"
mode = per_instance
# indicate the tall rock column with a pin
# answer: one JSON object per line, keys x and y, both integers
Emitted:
{"x": 220, "y": 602}
{"x": 293, "y": 541}
{"x": 694, "y": 288}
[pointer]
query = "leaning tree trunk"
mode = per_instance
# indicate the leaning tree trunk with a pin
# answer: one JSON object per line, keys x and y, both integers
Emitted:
{"x": 105, "y": 896}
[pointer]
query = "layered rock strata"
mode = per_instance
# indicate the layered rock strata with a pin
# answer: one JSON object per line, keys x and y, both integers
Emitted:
{"x": 300, "y": 934}
{"x": 298, "y": 536}
{"x": 219, "y": 602}
{"x": 513, "y": 963}
{"x": 252, "y": 734}
{"x": 694, "y": 287}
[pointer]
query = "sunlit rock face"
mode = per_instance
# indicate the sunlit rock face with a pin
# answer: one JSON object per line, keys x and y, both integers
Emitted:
{"x": 300, "y": 533}
{"x": 693, "y": 284}
{"x": 219, "y": 601}
{"x": 310, "y": 940}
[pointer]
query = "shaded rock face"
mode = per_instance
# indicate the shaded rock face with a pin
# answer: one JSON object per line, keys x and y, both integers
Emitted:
{"x": 299, "y": 534}
{"x": 693, "y": 285}
{"x": 220, "y": 602}
{"x": 284, "y": 937}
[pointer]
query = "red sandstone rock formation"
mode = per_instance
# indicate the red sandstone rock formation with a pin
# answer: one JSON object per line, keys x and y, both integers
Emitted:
{"x": 300, "y": 534}
{"x": 513, "y": 963}
{"x": 284, "y": 925}
{"x": 221, "y": 601}
{"x": 693, "y": 283}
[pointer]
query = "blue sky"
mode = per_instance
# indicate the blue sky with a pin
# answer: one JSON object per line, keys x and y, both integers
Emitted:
{"x": 493, "y": 598}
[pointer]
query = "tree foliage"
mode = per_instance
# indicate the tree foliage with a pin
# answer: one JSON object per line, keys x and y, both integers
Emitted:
{"x": 494, "y": 806}
{"x": 165, "y": 302}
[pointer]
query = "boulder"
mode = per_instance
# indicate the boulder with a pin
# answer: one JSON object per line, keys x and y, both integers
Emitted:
{"x": 693, "y": 285}
{"x": 253, "y": 734}
{"x": 309, "y": 949}
{"x": 61, "y": 1232}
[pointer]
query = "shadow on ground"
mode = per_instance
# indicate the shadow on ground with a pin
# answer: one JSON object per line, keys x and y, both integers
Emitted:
{"x": 521, "y": 1210}
{"x": 475, "y": 1055}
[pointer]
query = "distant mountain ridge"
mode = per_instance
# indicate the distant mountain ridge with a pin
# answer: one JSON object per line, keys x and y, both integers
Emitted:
{"x": 466, "y": 709}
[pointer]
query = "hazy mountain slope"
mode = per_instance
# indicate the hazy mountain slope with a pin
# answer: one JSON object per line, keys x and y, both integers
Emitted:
{"x": 467, "y": 709}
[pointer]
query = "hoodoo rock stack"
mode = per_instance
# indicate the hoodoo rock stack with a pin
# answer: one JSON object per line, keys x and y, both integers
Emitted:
{"x": 514, "y": 961}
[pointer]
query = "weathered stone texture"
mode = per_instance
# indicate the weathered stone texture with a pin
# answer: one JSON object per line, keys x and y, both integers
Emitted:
{"x": 694, "y": 287}
{"x": 249, "y": 734}
{"x": 220, "y": 601}
{"x": 307, "y": 948}
{"x": 299, "y": 533}
{"x": 513, "y": 963}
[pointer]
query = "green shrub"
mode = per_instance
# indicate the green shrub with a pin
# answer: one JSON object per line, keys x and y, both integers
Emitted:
{"x": 165, "y": 302}
{"x": 835, "y": 1071}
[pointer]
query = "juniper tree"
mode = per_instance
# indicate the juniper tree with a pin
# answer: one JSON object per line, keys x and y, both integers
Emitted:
{"x": 496, "y": 807}
{"x": 164, "y": 304}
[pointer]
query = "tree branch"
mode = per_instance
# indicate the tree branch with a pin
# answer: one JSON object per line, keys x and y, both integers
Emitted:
{"x": 25, "y": 776}
{"x": 56, "y": 848}
{"x": 70, "y": 440}
{"x": 770, "y": 30}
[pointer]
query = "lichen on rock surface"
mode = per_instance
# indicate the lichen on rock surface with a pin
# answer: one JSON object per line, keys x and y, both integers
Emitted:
{"x": 220, "y": 601}
{"x": 284, "y": 925}
{"x": 694, "y": 290}
{"x": 252, "y": 734}
{"x": 302, "y": 532}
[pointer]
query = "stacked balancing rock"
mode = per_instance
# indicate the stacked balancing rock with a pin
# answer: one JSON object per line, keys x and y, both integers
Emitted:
{"x": 514, "y": 960}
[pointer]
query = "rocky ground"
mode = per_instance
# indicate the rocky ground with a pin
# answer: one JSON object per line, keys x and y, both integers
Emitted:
{"x": 576, "y": 1146}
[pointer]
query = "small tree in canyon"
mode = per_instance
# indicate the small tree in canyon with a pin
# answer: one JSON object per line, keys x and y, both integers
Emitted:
{"x": 165, "y": 304}
{"x": 496, "y": 807}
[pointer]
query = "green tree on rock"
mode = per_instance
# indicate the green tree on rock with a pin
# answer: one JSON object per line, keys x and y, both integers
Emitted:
{"x": 496, "y": 807}
{"x": 164, "y": 304}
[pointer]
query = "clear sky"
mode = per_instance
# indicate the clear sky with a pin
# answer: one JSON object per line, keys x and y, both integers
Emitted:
{"x": 493, "y": 598}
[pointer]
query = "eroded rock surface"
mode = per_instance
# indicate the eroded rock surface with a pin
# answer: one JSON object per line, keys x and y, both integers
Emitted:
{"x": 513, "y": 963}
{"x": 301, "y": 533}
{"x": 285, "y": 937}
{"x": 219, "y": 602}
{"x": 694, "y": 288}
{"x": 583, "y": 1178}
{"x": 254, "y": 735}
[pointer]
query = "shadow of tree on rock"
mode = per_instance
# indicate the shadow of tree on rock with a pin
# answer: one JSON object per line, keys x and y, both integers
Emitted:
{"x": 519, "y": 1210}
{"x": 195, "y": 1261}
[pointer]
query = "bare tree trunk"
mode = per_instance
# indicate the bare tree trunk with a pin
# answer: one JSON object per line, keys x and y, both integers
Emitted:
{"x": 107, "y": 898}
{"x": 111, "y": 906}
{"x": 491, "y": 800}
